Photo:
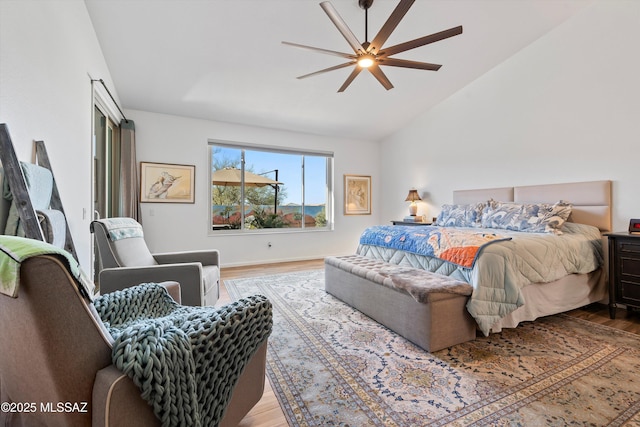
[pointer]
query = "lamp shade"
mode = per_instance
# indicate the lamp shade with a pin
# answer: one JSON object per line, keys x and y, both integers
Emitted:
{"x": 412, "y": 196}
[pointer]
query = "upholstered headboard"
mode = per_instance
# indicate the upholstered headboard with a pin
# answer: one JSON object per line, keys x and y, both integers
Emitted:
{"x": 591, "y": 200}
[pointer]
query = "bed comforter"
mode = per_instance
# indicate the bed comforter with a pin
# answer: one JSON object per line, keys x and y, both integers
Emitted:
{"x": 503, "y": 268}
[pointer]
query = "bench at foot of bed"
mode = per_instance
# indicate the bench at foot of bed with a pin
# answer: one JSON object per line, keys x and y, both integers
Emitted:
{"x": 426, "y": 308}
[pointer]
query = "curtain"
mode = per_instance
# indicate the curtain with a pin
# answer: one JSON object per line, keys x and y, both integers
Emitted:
{"x": 129, "y": 171}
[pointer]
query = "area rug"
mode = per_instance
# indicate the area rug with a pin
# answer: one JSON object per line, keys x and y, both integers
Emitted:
{"x": 330, "y": 365}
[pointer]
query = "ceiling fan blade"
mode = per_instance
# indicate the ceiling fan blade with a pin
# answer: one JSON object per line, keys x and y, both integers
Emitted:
{"x": 317, "y": 49}
{"x": 421, "y": 41}
{"x": 352, "y": 76}
{"x": 335, "y": 67}
{"x": 391, "y": 24}
{"x": 342, "y": 26}
{"x": 405, "y": 63}
{"x": 380, "y": 76}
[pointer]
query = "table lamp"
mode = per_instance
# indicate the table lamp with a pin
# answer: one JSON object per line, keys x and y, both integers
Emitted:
{"x": 412, "y": 197}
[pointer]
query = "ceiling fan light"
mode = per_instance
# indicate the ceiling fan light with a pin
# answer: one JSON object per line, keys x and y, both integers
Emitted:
{"x": 366, "y": 61}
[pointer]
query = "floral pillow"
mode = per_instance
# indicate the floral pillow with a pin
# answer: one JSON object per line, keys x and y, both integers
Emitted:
{"x": 533, "y": 218}
{"x": 468, "y": 215}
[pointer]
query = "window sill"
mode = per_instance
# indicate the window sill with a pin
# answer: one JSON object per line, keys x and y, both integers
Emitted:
{"x": 263, "y": 231}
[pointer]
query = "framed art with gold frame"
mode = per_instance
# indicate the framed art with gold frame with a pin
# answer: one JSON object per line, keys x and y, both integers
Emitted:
{"x": 357, "y": 195}
{"x": 167, "y": 183}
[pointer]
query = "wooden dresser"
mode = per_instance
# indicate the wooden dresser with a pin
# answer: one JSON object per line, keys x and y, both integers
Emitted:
{"x": 624, "y": 271}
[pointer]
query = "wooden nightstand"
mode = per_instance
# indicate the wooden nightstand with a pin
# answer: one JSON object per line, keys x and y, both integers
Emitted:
{"x": 624, "y": 271}
{"x": 410, "y": 223}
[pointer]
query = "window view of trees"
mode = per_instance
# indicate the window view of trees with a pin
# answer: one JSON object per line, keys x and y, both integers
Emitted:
{"x": 276, "y": 190}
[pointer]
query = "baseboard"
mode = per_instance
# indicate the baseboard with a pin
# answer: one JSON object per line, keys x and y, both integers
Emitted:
{"x": 277, "y": 261}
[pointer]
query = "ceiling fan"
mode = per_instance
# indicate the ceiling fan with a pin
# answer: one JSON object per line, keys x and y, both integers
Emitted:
{"x": 371, "y": 55}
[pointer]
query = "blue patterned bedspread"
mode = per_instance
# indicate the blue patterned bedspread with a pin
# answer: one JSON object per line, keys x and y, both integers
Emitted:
{"x": 458, "y": 246}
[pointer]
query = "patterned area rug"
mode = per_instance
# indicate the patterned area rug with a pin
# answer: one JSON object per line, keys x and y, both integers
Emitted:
{"x": 330, "y": 365}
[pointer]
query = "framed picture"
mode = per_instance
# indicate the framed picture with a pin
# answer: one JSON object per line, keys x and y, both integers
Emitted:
{"x": 357, "y": 195}
{"x": 167, "y": 183}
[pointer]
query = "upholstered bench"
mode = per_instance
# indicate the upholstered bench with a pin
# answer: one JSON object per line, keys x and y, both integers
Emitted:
{"x": 426, "y": 308}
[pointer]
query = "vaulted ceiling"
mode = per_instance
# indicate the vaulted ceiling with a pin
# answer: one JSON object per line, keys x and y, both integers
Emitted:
{"x": 223, "y": 60}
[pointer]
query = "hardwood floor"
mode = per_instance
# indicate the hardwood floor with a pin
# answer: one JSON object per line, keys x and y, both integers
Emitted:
{"x": 267, "y": 412}
{"x": 599, "y": 313}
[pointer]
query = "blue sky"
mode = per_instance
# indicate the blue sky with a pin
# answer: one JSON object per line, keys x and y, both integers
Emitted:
{"x": 289, "y": 172}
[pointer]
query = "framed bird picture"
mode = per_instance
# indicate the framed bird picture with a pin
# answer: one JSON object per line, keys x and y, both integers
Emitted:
{"x": 167, "y": 183}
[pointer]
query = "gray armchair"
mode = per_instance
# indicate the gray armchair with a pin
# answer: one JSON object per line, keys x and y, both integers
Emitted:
{"x": 55, "y": 348}
{"x": 125, "y": 260}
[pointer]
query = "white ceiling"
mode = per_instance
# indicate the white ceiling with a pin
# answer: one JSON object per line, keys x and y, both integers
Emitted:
{"x": 223, "y": 59}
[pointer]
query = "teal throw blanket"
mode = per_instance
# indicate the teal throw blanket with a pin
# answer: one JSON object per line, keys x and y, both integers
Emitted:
{"x": 186, "y": 360}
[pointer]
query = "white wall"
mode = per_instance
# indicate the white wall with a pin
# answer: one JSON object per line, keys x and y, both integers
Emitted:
{"x": 47, "y": 51}
{"x": 171, "y": 139}
{"x": 565, "y": 109}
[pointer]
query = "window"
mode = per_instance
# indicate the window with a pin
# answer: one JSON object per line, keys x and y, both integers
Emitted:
{"x": 256, "y": 188}
{"x": 106, "y": 166}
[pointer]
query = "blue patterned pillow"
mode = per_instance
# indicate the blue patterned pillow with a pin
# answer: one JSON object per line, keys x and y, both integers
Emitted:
{"x": 468, "y": 215}
{"x": 533, "y": 218}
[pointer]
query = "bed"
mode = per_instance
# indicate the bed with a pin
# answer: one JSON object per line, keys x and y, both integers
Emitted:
{"x": 505, "y": 291}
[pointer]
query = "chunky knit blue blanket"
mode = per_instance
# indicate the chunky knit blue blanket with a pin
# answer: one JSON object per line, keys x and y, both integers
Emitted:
{"x": 186, "y": 360}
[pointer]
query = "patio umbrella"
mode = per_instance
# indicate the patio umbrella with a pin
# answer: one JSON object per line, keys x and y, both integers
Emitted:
{"x": 231, "y": 176}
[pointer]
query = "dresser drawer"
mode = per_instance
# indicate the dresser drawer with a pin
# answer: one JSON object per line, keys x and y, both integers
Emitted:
{"x": 630, "y": 292}
{"x": 630, "y": 268}
{"x": 630, "y": 248}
